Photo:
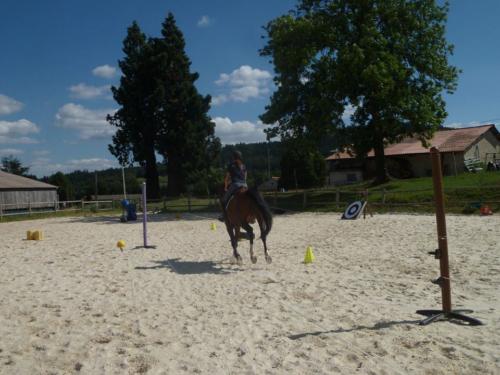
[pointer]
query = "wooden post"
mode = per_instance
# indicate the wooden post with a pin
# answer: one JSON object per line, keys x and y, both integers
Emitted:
{"x": 441, "y": 229}
{"x": 29, "y": 205}
{"x": 189, "y": 202}
{"x": 383, "y": 196}
{"x": 304, "y": 200}
{"x": 83, "y": 204}
{"x": 337, "y": 197}
{"x": 442, "y": 253}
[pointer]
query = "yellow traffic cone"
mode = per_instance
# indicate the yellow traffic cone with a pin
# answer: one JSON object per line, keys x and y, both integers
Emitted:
{"x": 309, "y": 258}
{"x": 213, "y": 226}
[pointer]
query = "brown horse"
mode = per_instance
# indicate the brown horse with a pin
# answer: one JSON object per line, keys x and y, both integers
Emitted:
{"x": 244, "y": 208}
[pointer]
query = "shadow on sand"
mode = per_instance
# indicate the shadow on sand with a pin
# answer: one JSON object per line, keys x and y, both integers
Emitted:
{"x": 376, "y": 327}
{"x": 189, "y": 267}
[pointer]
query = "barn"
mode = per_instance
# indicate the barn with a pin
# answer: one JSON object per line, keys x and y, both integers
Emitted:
{"x": 21, "y": 193}
{"x": 408, "y": 158}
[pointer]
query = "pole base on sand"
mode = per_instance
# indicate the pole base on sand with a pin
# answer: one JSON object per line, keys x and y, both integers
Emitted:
{"x": 437, "y": 315}
{"x": 145, "y": 247}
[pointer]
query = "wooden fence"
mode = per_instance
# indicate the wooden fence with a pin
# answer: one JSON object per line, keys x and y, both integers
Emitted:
{"x": 325, "y": 199}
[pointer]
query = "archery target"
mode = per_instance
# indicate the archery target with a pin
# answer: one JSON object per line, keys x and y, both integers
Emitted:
{"x": 354, "y": 210}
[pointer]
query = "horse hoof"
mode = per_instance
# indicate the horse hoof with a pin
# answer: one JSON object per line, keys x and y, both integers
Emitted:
{"x": 269, "y": 259}
{"x": 239, "y": 261}
{"x": 254, "y": 259}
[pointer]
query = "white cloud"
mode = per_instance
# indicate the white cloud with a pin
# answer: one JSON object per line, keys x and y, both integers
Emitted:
{"x": 239, "y": 131}
{"x": 10, "y": 151}
{"x": 104, "y": 71}
{"x": 41, "y": 152}
{"x": 468, "y": 124}
{"x": 348, "y": 112}
{"x": 204, "y": 21}
{"x": 9, "y": 105}
{"x": 243, "y": 84}
{"x": 44, "y": 166}
{"x": 220, "y": 99}
{"x": 91, "y": 124}
{"x": 83, "y": 91}
{"x": 17, "y": 132}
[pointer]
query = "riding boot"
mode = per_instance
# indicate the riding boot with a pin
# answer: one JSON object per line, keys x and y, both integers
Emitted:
{"x": 223, "y": 214}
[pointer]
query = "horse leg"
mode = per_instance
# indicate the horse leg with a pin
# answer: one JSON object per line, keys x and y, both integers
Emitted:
{"x": 263, "y": 238}
{"x": 233, "y": 235}
{"x": 234, "y": 242}
{"x": 251, "y": 237}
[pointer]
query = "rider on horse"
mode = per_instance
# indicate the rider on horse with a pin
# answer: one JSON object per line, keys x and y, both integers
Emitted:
{"x": 235, "y": 179}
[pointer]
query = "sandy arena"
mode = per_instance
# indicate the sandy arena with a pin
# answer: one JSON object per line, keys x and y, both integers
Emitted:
{"x": 74, "y": 304}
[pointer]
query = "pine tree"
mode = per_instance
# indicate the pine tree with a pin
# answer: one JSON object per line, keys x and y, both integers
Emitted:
{"x": 161, "y": 110}
{"x": 186, "y": 135}
{"x": 137, "y": 134}
{"x": 11, "y": 164}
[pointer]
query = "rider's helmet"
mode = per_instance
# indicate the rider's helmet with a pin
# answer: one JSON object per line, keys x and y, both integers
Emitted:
{"x": 237, "y": 155}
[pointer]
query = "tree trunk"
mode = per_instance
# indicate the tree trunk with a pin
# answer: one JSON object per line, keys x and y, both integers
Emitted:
{"x": 152, "y": 179}
{"x": 380, "y": 170}
{"x": 175, "y": 185}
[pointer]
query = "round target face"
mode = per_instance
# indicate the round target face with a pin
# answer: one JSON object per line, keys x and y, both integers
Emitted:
{"x": 353, "y": 210}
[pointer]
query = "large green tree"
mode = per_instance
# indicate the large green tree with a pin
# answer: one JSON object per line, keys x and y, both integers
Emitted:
{"x": 383, "y": 64}
{"x": 161, "y": 110}
{"x": 66, "y": 190}
{"x": 137, "y": 135}
{"x": 11, "y": 164}
{"x": 302, "y": 165}
{"x": 186, "y": 134}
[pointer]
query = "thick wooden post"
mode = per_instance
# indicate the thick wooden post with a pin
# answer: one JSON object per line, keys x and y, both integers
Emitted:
{"x": 337, "y": 197}
{"x": 437, "y": 178}
{"x": 442, "y": 254}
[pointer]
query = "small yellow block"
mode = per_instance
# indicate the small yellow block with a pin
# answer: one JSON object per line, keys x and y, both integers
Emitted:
{"x": 28, "y": 235}
{"x": 213, "y": 226}
{"x": 37, "y": 235}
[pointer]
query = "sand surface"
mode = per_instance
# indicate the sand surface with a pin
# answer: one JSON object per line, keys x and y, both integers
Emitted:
{"x": 74, "y": 304}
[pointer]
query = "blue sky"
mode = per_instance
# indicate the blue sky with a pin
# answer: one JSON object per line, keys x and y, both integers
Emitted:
{"x": 59, "y": 57}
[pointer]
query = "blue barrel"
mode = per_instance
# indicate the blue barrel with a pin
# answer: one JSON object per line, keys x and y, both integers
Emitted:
{"x": 125, "y": 203}
{"x": 131, "y": 212}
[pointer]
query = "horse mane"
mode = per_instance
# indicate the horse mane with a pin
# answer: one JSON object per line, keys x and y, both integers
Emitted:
{"x": 253, "y": 193}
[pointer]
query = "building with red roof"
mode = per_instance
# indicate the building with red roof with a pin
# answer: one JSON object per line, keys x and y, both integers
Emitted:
{"x": 409, "y": 158}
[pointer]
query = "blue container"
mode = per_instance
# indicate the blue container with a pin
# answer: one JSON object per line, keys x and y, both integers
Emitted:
{"x": 125, "y": 203}
{"x": 131, "y": 212}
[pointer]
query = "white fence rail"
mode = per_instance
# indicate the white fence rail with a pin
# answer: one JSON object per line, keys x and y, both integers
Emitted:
{"x": 14, "y": 209}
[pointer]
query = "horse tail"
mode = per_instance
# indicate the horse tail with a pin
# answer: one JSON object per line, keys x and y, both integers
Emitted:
{"x": 264, "y": 209}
